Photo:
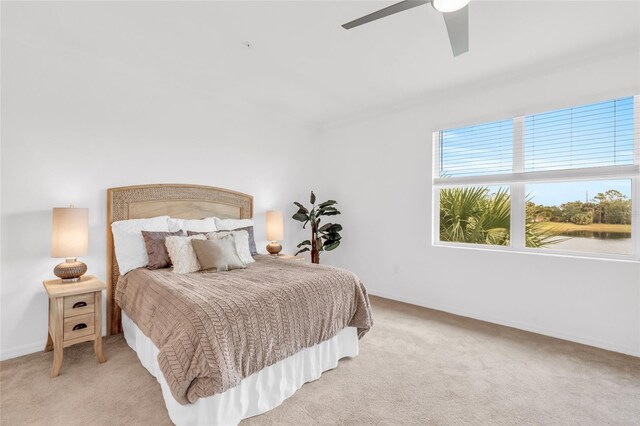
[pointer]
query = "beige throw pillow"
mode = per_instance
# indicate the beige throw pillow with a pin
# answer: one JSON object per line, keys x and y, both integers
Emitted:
{"x": 181, "y": 252}
{"x": 241, "y": 239}
{"x": 219, "y": 254}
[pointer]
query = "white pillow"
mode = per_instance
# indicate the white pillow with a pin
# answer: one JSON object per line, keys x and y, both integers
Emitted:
{"x": 131, "y": 253}
{"x": 241, "y": 239}
{"x": 231, "y": 224}
{"x": 196, "y": 225}
{"x": 182, "y": 255}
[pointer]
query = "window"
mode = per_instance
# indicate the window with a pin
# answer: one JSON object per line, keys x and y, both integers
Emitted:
{"x": 477, "y": 150}
{"x": 582, "y": 216}
{"x": 475, "y": 215}
{"x": 563, "y": 182}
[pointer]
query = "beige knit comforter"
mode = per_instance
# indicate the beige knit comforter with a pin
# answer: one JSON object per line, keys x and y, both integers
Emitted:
{"x": 214, "y": 329}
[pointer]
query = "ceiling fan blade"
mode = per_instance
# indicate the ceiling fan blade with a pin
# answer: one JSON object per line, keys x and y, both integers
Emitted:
{"x": 458, "y": 28}
{"x": 390, "y": 10}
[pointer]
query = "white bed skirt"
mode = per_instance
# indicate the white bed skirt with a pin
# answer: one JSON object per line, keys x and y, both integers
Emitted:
{"x": 256, "y": 394}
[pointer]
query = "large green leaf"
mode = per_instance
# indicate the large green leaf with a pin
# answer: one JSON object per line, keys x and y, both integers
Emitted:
{"x": 325, "y": 227}
{"x": 333, "y": 236}
{"x": 331, "y": 245}
{"x": 301, "y": 208}
{"x": 312, "y": 199}
{"x": 331, "y": 213}
{"x": 336, "y": 227}
{"x": 327, "y": 203}
{"x": 300, "y": 217}
{"x": 328, "y": 209}
{"x": 304, "y": 243}
{"x": 331, "y": 227}
{"x": 301, "y": 251}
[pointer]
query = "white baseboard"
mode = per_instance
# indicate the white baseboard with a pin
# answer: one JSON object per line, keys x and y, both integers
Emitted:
{"x": 514, "y": 324}
{"x": 21, "y": 350}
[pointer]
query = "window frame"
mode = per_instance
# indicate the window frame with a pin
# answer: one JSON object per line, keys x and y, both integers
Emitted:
{"x": 517, "y": 181}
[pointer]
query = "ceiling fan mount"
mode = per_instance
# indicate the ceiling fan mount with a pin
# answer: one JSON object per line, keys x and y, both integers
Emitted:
{"x": 455, "y": 13}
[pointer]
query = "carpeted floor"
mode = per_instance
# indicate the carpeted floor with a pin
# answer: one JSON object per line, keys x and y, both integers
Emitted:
{"x": 416, "y": 366}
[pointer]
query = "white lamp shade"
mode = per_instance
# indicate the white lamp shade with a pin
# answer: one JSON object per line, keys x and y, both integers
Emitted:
{"x": 69, "y": 232}
{"x": 275, "y": 225}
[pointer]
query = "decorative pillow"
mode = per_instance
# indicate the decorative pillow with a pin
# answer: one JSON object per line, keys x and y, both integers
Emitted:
{"x": 232, "y": 224}
{"x": 239, "y": 224}
{"x": 249, "y": 229}
{"x": 198, "y": 225}
{"x": 241, "y": 239}
{"x": 156, "y": 250}
{"x": 128, "y": 242}
{"x": 181, "y": 252}
{"x": 252, "y": 241}
{"x": 219, "y": 254}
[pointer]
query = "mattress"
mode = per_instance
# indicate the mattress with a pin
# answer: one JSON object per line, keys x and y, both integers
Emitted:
{"x": 255, "y": 394}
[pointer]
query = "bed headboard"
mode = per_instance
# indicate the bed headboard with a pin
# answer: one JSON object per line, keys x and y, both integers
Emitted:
{"x": 175, "y": 200}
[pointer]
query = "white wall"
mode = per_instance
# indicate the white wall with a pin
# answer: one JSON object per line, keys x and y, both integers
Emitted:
{"x": 73, "y": 126}
{"x": 382, "y": 181}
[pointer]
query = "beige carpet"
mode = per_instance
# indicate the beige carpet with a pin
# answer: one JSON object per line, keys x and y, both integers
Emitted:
{"x": 416, "y": 366}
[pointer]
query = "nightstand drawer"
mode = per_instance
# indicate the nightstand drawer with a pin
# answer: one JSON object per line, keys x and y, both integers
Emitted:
{"x": 78, "y": 326}
{"x": 80, "y": 304}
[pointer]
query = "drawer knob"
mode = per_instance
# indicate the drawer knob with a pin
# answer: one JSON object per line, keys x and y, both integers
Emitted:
{"x": 79, "y": 305}
{"x": 79, "y": 326}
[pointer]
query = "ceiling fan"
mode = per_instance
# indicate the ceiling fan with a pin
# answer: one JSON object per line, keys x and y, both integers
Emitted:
{"x": 455, "y": 12}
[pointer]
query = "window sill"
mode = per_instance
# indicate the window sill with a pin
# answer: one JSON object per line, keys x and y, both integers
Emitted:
{"x": 539, "y": 252}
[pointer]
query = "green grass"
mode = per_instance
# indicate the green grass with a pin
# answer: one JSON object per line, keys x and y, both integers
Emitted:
{"x": 561, "y": 227}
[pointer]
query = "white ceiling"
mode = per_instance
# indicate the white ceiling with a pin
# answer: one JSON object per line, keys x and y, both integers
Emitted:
{"x": 304, "y": 64}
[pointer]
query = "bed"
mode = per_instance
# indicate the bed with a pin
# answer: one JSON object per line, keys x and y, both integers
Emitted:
{"x": 227, "y": 346}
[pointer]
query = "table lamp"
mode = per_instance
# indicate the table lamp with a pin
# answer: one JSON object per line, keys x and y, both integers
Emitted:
{"x": 69, "y": 239}
{"x": 275, "y": 231}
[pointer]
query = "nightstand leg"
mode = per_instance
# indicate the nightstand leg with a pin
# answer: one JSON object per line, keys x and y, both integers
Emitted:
{"x": 49, "y": 344}
{"x": 57, "y": 360}
{"x": 58, "y": 332}
{"x": 97, "y": 346}
{"x": 97, "y": 343}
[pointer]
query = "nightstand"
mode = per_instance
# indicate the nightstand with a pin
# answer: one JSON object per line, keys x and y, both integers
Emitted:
{"x": 75, "y": 316}
{"x": 288, "y": 257}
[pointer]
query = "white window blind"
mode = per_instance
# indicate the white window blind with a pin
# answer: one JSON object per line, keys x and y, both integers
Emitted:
{"x": 594, "y": 135}
{"x": 592, "y": 141}
{"x": 477, "y": 150}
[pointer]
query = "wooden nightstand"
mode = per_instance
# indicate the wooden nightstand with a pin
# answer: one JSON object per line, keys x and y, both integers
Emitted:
{"x": 75, "y": 316}
{"x": 288, "y": 257}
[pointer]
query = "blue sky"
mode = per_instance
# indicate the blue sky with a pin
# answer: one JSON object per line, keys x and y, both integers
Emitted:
{"x": 554, "y": 194}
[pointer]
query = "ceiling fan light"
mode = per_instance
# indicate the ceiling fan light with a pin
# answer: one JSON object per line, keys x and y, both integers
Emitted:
{"x": 446, "y": 6}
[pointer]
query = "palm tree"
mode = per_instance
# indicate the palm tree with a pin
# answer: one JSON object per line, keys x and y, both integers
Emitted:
{"x": 475, "y": 215}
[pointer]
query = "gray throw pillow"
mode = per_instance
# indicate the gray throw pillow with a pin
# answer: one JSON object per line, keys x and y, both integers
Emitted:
{"x": 156, "y": 249}
{"x": 219, "y": 254}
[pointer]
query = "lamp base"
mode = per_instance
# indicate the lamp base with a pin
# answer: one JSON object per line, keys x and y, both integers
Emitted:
{"x": 274, "y": 248}
{"x": 70, "y": 270}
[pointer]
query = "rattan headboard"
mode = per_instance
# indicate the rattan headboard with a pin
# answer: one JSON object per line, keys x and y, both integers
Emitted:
{"x": 175, "y": 200}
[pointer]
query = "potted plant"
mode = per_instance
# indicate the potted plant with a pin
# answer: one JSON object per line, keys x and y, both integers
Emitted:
{"x": 323, "y": 237}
